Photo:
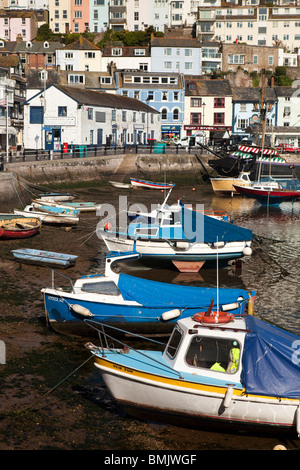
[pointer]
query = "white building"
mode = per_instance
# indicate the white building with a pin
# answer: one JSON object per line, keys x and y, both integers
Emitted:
{"x": 67, "y": 115}
{"x": 79, "y": 56}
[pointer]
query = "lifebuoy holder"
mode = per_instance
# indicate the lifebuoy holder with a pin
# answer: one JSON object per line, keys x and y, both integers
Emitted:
{"x": 211, "y": 317}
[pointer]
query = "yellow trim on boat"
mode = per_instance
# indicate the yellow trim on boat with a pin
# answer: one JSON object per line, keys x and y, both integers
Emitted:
{"x": 183, "y": 383}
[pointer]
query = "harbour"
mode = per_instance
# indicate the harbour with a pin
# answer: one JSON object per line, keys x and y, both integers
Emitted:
{"x": 51, "y": 399}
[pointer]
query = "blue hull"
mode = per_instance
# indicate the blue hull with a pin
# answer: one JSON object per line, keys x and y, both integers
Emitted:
{"x": 60, "y": 314}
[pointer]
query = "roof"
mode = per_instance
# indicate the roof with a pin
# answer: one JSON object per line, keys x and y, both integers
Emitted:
{"x": 202, "y": 87}
{"x": 109, "y": 100}
{"x": 175, "y": 42}
{"x": 127, "y": 51}
{"x": 82, "y": 44}
{"x": 17, "y": 13}
{"x": 252, "y": 94}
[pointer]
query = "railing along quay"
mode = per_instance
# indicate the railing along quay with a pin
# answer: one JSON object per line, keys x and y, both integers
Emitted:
{"x": 84, "y": 151}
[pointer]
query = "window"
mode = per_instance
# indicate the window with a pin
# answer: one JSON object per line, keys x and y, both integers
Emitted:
{"x": 136, "y": 95}
{"x": 195, "y": 118}
{"x": 188, "y": 65}
{"x": 196, "y": 102}
{"x": 164, "y": 96}
{"x": 89, "y": 55}
{"x": 164, "y": 114}
{"x": 36, "y": 114}
{"x": 242, "y": 123}
{"x": 176, "y": 96}
{"x": 113, "y": 115}
{"x": 219, "y": 118}
{"x": 286, "y": 111}
{"x": 270, "y": 60}
{"x": 255, "y": 59}
{"x": 217, "y": 354}
{"x": 174, "y": 342}
{"x": 62, "y": 111}
{"x": 90, "y": 113}
{"x": 124, "y": 116}
{"x": 219, "y": 102}
{"x": 78, "y": 14}
{"x": 139, "y": 52}
{"x": 68, "y": 55}
{"x": 236, "y": 59}
{"x": 167, "y": 51}
{"x": 75, "y": 78}
{"x": 175, "y": 115}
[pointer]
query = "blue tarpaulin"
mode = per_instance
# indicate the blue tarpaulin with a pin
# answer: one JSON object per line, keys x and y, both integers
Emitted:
{"x": 271, "y": 360}
{"x": 201, "y": 228}
{"x": 159, "y": 294}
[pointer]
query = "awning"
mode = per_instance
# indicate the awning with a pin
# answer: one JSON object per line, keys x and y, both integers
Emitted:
{"x": 10, "y": 130}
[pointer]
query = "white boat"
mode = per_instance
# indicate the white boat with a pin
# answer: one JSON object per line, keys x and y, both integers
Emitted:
{"x": 185, "y": 237}
{"x": 221, "y": 370}
{"x": 57, "y": 196}
{"x": 138, "y": 183}
{"x": 78, "y": 206}
{"x": 47, "y": 218}
{"x": 120, "y": 185}
{"x": 223, "y": 185}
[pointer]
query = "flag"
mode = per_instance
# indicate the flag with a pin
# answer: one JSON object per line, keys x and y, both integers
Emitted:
{"x": 3, "y": 102}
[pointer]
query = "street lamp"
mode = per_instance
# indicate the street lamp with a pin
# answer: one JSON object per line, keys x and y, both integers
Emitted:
{"x": 203, "y": 107}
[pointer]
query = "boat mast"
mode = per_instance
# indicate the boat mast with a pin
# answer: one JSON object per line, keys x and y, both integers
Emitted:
{"x": 263, "y": 120}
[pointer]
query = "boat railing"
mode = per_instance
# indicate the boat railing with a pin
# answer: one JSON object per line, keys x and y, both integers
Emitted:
{"x": 104, "y": 344}
{"x": 53, "y": 272}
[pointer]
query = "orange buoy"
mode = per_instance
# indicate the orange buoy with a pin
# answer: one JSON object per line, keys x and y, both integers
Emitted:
{"x": 107, "y": 226}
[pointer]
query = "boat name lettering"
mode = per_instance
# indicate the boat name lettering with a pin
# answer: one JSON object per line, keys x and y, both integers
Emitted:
{"x": 296, "y": 354}
{"x": 122, "y": 368}
{"x": 56, "y": 299}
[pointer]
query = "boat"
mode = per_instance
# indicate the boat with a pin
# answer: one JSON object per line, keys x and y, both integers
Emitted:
{"x": 122, "y": 299}
{"x": 44, "y": 258}
{"x": 120, "y": 185}
{"x": 56, "y": 196}
{"x": 138, "y": 183}
{"x": 46, "y": 217}
{"x": 53, "y": 208}
{"x": 78, "y": 206}
{"x": 219, "y": 372}
{"x": 271, "y": 191}
{"x": 225, "y": 186}
{"x": 19, "y": 227}
{"x": 183, "y": 236}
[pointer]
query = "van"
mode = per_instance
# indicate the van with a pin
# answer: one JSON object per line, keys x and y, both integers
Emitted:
{"x": 190, "y": 141}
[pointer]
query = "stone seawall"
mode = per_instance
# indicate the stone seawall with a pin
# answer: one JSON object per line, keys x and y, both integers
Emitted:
{"x": 14, "y": 191}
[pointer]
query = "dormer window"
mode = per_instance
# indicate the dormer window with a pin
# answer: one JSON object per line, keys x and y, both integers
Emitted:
{"x": 46, "y": 44}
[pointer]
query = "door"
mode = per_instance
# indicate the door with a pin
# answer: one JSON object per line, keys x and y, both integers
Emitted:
{"x": 99, "y": 137}
{"x": 49, "y": 144}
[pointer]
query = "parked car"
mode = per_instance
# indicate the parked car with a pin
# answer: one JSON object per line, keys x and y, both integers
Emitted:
{"x": 287, "y": 148}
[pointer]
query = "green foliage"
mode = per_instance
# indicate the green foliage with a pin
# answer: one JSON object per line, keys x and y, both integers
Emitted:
{"x": 281, "y": 78}
{"x": 129, "y": 38}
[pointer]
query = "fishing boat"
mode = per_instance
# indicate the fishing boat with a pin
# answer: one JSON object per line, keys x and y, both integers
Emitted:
{"x": 44, "y": 258}
{"x": 183, "y": 236}
{"x": 47, "y": 217}
{"x": 221, "y": 371}
{"x": 19, "y": 227}
{"x": 255, "y": 160}
{"x": 138, "y": 183}
{"x": 122, "y": 299}
{"x": 56, "y": 196}
{"x": 225, "y": 186}
{"x": 78, "y": 206}
{"x": 271, "y": 192}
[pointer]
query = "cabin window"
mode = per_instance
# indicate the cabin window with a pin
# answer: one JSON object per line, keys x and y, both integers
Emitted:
{"x": 174, "y": 342}
{"x": 108, "y": 288}
{"x": 146, "y": 231}
{"x": 216, "y": 354}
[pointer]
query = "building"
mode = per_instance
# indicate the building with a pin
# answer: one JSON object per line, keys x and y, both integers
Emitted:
{"x": 250, "y": 58}
{"x": 70, "y": 115}
{"x": 177, "y": 55}
{"x": 126, "y": 57}
{"x": 18, "y": 22}
{"x": 208, "y": 107}
{"x": 79, "y": 56}
{"x": 250, "y": 23}
{"x": 164, "y": 92}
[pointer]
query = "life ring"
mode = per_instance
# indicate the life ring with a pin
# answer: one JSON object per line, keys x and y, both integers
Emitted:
{"x": 213, "y": 318}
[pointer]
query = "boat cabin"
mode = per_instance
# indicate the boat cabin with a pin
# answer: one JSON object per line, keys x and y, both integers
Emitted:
{"x": 212, "y": 351}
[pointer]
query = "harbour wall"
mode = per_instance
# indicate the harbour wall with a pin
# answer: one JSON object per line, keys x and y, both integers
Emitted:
{"x": 14, "y": 190}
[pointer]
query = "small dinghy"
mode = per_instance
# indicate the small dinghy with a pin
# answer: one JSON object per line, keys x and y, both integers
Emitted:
{"x": 40, "y": 257}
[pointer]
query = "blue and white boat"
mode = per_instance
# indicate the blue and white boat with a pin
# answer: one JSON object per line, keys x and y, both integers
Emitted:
{"x": 238, "y": 374}
{"x": 125, "y": 300}
{"x": 44, "y": 258}
{"x": 181, "y": 235}
{"x": 51, "y": 208}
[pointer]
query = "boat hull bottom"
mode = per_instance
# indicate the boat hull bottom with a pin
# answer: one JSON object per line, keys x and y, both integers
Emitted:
{"x": 193, "y": 421}
{"x": 188, "y": 266}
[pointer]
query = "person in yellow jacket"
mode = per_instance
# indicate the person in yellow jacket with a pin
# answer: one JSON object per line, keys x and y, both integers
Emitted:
{"x": 233, "y": 364}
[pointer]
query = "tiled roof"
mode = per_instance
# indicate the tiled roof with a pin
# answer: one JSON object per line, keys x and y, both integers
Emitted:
{"x": 97, "y": 98}
{"x": 175, "y": 42}
{"x": 202, "y": 87}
